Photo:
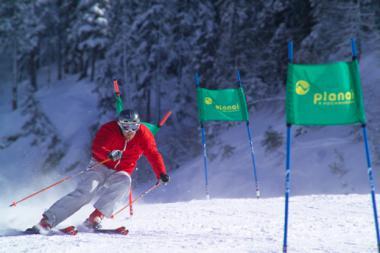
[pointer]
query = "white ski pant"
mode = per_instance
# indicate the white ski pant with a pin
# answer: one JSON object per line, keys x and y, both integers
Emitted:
{"x": 109, "y": 185}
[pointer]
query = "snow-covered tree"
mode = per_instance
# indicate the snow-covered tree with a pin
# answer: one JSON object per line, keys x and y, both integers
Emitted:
{"x": 120, "y": 16}
{"x": 57, "y": 17}
{"x": 327, "y": 44}
{"x": 10, "y": 36}
{"x": 90, "y": 33}
{"x": 369, "y": 15}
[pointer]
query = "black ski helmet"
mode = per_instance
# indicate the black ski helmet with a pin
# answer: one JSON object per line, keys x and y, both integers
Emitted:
{"x": 129, "y": 120}
{"x": 129, "y": 116}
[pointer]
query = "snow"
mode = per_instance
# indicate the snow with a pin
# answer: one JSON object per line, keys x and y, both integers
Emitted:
{"x": 317, "y": 223}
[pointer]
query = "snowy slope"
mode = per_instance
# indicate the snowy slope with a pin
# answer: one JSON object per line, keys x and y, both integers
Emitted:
{"x": 70, "y": 105}
{"x": 318, "y": 224}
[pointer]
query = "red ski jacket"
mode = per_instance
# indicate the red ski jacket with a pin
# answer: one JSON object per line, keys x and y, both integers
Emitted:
{"x": 109, "y": 137}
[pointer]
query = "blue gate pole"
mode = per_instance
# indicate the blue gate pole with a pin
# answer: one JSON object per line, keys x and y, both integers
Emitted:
{"x": 287, "y": 187}
{"x": 369, "y": 163}
{"x": 250, "y": 143}
{"x": 353, "y": 48}
{"x": 372, "y": 185}
{"x": 287, "y": 172}
{"x": 197, "y": 82}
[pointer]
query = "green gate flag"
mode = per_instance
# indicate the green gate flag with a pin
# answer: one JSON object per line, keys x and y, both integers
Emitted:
{"x": 324, "y": 94}
{"x": 223, "y": 105}
{"x": 153, "y": 128}
{"x": 118, "y": 104}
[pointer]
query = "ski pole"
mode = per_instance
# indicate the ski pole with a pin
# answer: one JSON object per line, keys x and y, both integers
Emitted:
{"x": 119, "y": 102}
{"x": 14, "y": 203}
{"x": 155, "y": 186}
{"x": 164, "y": 119}
{"x": 130, "y": 199}
{"x": 116, "y": 87}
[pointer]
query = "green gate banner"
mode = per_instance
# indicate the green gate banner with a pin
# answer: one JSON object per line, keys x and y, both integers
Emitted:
{"x": 153, "y": 128}
{"x": 324, "y": 94}
{"x": 118, "y": 104}
{"x": 222, "y": 105}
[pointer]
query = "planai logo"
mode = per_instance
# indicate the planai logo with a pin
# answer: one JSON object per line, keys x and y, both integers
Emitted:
{"x": 208, "y": 100}
{"x": 302, "y": 87}
{"x": 228, "y": 108}
{"x": 334, "y": 98}
{"x": 222, "y": 107}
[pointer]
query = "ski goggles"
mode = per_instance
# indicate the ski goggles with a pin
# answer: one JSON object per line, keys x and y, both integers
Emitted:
{"x": 128, "y": 126}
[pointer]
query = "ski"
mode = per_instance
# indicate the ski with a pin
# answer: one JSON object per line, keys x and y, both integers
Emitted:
{"x": 120, "y": 230}
{"x": 70, "y": 230}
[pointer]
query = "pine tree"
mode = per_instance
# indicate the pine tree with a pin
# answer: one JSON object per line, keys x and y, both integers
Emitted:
{"x": 232, "y": 37}
{"x": 90, "y": 31}
{"x": 57, "y": 17}
{"x": 10, "y": 37}
{"x": 369, "y": 36}
{"x": 331, "y": 44}
{"x": 120, "y": 16}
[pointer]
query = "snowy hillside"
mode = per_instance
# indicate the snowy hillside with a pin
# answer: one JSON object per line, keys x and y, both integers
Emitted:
{"x": 318, "y": 224}
{"x": 68, "y": 110}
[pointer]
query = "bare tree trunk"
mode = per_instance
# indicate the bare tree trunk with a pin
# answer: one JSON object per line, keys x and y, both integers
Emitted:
{"x": 93, "y": 60}
{"x": 84, "y": 66}
{"x": 15, "y": 80}
{"x": 158, "y": 97}
{"x": 49, "y": 74}
{"x": 127, "y": 88}
{"x": 59, "y": 56}
{"x": 81, "y": 61}
{"x": 33, "y": 69}
{"x": 148, "y": 102}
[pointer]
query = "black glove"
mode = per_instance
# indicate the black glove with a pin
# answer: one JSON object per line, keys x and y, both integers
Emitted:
{"x": 164, "y": 178}
{"x": 115, "y": 155}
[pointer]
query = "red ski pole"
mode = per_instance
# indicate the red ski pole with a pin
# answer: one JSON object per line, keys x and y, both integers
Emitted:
{"x": 14, "y": 203}
{"x": 155, "y": 186}
{"x": 164, "y": 119}
{"x": 130, "y": 203}
{"x": 116, "y": 87}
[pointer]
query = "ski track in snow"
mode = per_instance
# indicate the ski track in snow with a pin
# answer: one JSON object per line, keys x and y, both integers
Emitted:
{"x": 317, "y": 223}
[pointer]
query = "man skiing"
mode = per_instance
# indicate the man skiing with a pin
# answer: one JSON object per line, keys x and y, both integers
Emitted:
{"x": 116, "y": 148}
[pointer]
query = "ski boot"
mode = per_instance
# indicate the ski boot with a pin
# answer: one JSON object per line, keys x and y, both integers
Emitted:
{"x": 43, "y": 227}
{"x": 94, "y": 220}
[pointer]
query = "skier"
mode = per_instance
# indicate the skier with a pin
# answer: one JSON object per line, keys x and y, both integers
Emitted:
{"x": 122, "y": 142}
